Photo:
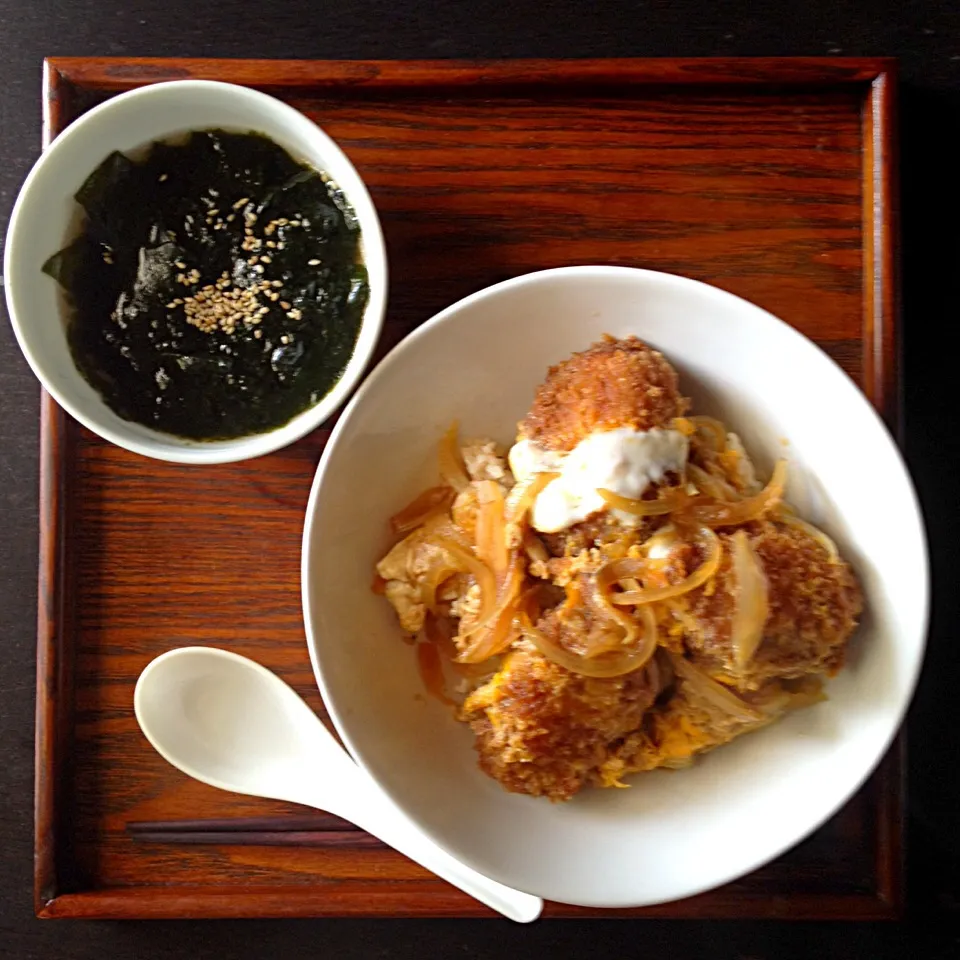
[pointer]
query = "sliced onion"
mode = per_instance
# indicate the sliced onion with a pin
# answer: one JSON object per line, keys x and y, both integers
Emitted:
{"x": 491, "y": 533}
{"x": 614, "y": 571}
{"x": 431, "y": 502}
{"x": 534, "y": 549}
{"x": 465, "y": 560}
{"x": 495, "y": 639}
{"x": 430, "y": 667}
{"x": 753, "y": 606}
{"x": 710, "y": 690}
{"x": 495, "y": 632}
{"x": 713, "y": 427}
{"x": 733, "y": 514}
{"x": 713, "y": 486}
{"x": 647, "y": 640}
{"x": 605, "y": 666}
{"x": 617, "y": 570}
{"x": 815, "y": 533}
{"x": 630, "y": 627}
{"x": 452, "y": 468}
{"x": 675, "y": 498}
{"x": 438, "y": 573}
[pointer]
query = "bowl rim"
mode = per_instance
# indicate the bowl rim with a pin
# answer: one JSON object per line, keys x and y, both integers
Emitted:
{"x": 896, "y": 717}
{"x": 169, "y": 447}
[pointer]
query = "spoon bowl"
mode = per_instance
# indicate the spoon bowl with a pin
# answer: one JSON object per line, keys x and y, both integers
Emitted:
{"x": 232, "y": 724}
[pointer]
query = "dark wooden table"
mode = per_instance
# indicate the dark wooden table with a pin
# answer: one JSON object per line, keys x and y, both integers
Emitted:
{"x": 927, "y": 39}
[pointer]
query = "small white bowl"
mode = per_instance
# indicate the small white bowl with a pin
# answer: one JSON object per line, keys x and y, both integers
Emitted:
{"x": 672, "y": 834}
{"x": 46, "y": 216}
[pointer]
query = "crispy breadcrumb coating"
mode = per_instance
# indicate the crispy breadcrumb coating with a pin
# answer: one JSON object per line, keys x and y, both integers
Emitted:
{"x": 616, "y": 383}
{"x": 544, "y": 731}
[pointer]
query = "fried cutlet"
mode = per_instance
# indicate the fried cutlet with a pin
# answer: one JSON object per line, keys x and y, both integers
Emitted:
{"x": 616, "y": 383}
{"x": 814, "y": 604}
{"x": 544, "y": 731}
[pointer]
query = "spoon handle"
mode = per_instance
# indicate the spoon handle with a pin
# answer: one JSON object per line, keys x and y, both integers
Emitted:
{"x": 379, "y": 817}
{"x": 341, "y": 787}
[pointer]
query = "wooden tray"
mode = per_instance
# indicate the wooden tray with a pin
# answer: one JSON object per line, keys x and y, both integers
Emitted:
{"x": 773, "y": 179}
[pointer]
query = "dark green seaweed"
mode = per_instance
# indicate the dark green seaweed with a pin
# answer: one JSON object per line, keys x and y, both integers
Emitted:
{"x": 129, "y": 333}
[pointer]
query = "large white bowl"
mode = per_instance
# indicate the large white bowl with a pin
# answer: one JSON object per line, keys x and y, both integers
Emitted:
{"x": 46, "y": 216}
{"x": 670, "y": 835}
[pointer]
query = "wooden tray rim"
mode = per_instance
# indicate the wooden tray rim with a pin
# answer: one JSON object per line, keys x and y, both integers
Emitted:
{"x": 877, "y": 75}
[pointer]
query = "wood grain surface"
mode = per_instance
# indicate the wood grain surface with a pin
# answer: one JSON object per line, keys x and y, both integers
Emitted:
{"x": 771, "y": 179}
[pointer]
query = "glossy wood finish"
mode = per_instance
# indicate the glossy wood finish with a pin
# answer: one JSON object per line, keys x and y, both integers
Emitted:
{"x": 772, "y": 179}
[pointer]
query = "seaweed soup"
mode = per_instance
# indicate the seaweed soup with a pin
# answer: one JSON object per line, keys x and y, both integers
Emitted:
{"x": 216, "y": 286}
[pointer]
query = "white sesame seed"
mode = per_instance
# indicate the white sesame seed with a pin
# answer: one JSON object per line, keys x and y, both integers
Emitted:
{"x": 313, "y": 263}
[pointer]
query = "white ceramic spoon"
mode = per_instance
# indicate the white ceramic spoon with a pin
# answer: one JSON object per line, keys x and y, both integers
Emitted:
{"x": 231, "y": 723}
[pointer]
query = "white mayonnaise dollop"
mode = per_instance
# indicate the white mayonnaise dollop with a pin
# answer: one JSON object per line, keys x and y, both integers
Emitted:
{"x": 624, "y": 461}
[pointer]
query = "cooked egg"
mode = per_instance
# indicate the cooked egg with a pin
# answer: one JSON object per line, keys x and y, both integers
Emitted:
{"x": 624, "y": 461}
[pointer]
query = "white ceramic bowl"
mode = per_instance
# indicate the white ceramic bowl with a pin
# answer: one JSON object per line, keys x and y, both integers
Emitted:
{"x": 670, "y": 835}
{"x": 46, "y": 215}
